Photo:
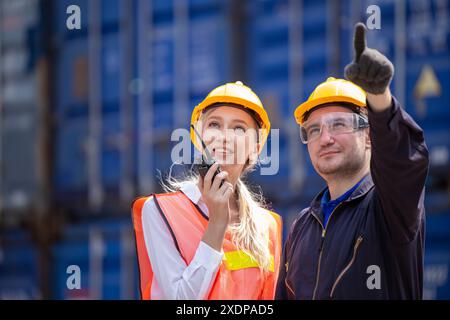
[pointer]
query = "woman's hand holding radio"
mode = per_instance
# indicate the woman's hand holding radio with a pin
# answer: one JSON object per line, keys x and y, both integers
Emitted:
{"x": 216, "y": 198}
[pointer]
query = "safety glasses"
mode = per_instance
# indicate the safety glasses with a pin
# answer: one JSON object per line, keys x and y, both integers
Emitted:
{"x": 335, "y": 122}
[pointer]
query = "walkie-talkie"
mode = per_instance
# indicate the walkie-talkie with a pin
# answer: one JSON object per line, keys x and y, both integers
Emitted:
{"x": 207, "y": 161}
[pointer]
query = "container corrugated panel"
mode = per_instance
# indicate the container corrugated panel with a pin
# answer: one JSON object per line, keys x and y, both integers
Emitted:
{"x": 315, "y": 45}
{"x": 163, "y": 53}
{"x": 19, "y": 127}
{"x": 73, "y": 115}
{"x": 437, "y": 257}
{"x": 268, "y": 70}
{"x": 72, "y": 71}
{"x": 208, "y": 39}
{"x": 19, "y": 133}
{"x": 107, "y": 261}
{"x": 71, "y": 152}
{"x": 163, "y": 6}
{"x": 427, "y": 45}
{"x": 18, "y": 266}
{"x": 268, "y": 44}
{"x": 111, "y": 13}
{"x": 162, "y": 50}
{"x": 21, "y": 90}
{"x": 110, "y": 148}
{"x": 209, "y": 43}
{"x": 72, "y": 94}
{"x": 438, "y": 143}
{"x": 19, "y": 18}
{"x": 15, "y": 60}
{"x": 111, "y": 68}
{"x": 67, "y": 254}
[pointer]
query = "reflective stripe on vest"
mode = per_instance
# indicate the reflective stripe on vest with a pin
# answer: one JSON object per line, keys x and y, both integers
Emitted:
{"x": 238, "y": 277}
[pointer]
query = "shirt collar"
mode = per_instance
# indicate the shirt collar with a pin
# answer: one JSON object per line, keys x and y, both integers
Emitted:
{"x": 326, "y": 195}
{"x": 191, "y": 191}
{"x": 364, "y": 186}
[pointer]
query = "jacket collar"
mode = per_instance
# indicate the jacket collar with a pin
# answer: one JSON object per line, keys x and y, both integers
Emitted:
{"x": 360, "y": 191}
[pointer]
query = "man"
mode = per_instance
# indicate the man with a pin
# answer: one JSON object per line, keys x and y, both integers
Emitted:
{"x": 363, "y": 236}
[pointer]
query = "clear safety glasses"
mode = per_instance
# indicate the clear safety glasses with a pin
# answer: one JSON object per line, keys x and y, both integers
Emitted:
{"x": 335, "y": 122}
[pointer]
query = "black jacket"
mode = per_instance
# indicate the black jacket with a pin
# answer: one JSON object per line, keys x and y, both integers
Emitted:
{"x": 378, "y": 231}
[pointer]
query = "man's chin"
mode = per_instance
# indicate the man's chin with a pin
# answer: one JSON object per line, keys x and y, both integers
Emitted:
{"x": 328, "y": 168}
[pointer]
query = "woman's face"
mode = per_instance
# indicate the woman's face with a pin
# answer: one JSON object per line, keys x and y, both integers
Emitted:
{"x": 230, "y": 135}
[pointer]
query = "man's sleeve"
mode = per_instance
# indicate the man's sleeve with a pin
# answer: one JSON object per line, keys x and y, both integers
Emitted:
{"x": 281, "y": 293}
{"x": 281, "y": 289}
{"x": 399, "y": 166}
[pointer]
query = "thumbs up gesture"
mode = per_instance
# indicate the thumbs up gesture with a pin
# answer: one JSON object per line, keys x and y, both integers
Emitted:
{"x": 370, "y": 69}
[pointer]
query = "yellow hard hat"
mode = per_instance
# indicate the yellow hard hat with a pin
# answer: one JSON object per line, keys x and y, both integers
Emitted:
{"x": 332, "y": 90}
{"x": 234, "y": 93}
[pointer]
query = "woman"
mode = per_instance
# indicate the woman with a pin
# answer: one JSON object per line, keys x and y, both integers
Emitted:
{"x": 210, "y": 237}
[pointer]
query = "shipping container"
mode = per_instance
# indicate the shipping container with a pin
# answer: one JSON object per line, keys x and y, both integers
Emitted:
{"x": 20, "y": 107}
{"x": 19, "y": 278}
{"x": 19, "y": 179}
{"x": 196, "y": 38}
{"x": 437, "y": 257}
{"x": 103, "y": 254}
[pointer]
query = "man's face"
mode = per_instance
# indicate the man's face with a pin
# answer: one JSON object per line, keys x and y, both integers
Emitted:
{"x": 340, "y": 154}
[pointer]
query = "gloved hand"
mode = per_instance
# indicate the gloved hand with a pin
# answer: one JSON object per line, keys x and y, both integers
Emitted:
{"x": 370, "y": 69}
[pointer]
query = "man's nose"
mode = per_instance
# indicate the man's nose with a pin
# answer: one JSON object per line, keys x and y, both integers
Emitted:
{"x": 325, "y": 137}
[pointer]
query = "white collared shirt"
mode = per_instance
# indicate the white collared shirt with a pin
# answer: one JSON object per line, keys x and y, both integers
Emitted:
{"x": 172, "y": 278}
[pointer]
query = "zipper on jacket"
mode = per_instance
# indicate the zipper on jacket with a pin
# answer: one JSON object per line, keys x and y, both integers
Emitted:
{"x": 355, "y": 250}
{"x": 322, "y": 240}
{"x": 285, "y": 280}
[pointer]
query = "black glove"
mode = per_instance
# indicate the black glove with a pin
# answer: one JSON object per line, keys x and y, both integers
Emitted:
{"x": 370, "y": 70}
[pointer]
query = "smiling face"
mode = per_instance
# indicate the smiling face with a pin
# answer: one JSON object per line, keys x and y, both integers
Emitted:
{"x": 230, "y": 136}
{"x": 340, "y": 155}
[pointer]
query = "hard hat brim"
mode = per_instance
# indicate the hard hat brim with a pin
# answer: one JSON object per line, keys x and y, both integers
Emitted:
{"x": 309, "y": 105}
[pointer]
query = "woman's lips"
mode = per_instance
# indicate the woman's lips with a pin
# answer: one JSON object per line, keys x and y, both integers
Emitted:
{"x": 222, "y": 151}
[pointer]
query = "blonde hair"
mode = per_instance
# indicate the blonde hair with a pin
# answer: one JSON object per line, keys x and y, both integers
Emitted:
{"x": 251, "y": 233}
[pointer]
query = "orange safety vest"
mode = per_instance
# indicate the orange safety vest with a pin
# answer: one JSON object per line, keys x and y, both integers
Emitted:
{"x": 238, "y": 277}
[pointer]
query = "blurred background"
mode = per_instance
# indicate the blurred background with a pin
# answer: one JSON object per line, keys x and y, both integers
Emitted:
{"x": 86, "y": 117}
